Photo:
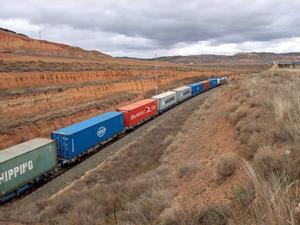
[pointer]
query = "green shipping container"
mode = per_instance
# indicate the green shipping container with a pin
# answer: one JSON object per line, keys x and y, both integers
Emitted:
{"x": 24, "y": 162}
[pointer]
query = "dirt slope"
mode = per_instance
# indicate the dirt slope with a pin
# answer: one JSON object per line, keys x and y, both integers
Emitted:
{"x": 11, "y": 42}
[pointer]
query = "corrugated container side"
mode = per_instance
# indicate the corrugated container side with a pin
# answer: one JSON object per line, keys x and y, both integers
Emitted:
{"x": 197, "y": 88}
{"x": 137, "y": 112}
{"x": 87, "y": 135}
{"x": 24, "y": 167}
{"x": 205, "y": 84}
{"x": 213, "y": 82}
{"x": 165, "y": 100}
{"x": 183, "y": 93}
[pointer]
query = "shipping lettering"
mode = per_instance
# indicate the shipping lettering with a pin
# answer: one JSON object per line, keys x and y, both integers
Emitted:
{"x": 148, "y": 109}
{"x": 16, "y": 171}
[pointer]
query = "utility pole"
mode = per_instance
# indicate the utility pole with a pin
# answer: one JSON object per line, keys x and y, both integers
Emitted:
{"x": 156, "y": 75}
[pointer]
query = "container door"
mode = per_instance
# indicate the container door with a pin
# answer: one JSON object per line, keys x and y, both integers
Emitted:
{"x": 64, "y": 147}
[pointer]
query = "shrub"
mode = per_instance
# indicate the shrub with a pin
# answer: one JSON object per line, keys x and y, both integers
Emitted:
{"x": 207, "y": 215}
{"x": 243, "y": 194}
{"x": 147, "y": 207}
{"x": 236, "y": 116}
{"x": 187, "y": 170}
{"x": 183, "y": 171}
{"x": 226, "y": 165}
{"x": 265, "y": 161}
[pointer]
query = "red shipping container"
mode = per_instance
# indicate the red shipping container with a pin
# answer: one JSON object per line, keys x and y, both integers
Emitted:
{"x": 138, "y": 111}
{"x": 205, "y": 84}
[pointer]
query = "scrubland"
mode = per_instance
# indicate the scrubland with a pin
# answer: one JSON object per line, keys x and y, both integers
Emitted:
{"x": 265, "y": 111}
{"x": 229, "y": 156}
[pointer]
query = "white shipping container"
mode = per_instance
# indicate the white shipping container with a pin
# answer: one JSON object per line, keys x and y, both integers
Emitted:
{"x": 165, "y": 100}
{"x": 183, "y": 93}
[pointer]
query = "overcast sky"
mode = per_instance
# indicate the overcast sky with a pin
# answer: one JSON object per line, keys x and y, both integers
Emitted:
{"x": 142, "y": 28}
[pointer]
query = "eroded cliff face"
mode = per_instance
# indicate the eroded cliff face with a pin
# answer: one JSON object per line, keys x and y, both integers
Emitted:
{"x": 35, "y": 103}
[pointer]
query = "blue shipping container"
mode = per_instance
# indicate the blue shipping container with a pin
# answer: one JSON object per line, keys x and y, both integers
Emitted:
{"x": 213, "y": 82}
{"x": 80, "y": 137}
{"x": 197, "y": 88}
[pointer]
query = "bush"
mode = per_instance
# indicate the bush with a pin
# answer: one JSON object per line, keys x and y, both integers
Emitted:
{"x": 266, "y": 161}
{"x": 187, "y": 170}
{"x": 207, "y": 215}
{"x": 226, "y": 165}
{"x": 236, "y": 116}
{"x": 243, "y": 194}
{"x": 146, "y": 208}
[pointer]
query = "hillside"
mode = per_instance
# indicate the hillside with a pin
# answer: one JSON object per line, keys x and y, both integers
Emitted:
{"x": 45, "y": 85}
{"x": 240, "y": 58}
{"x": 242, "y": 169}
{"x": 15, "y": 43}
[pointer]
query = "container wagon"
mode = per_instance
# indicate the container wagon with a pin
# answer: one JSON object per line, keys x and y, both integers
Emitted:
{"x": 183, "y": 93}
{"x": 223, "y": 80}
{"x": 79, "y": 138}
{"x": 205, "y": 84}
{"x": 23, "y": 165}
{"x": 213, "y": 82}
{"x": 165, "y": 100}
{"x": 197, "y": 88}
{"x": 138, "y": 112}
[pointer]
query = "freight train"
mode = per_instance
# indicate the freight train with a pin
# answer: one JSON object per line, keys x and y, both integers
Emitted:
{"x": 27, "y": 164}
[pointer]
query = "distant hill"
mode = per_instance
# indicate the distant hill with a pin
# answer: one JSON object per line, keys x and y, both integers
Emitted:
{"x": 237, "y": 58}
{"x": 12, "y": 42}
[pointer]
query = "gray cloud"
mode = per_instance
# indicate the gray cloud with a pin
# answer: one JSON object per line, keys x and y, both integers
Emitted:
{"x": 131, "y": 27}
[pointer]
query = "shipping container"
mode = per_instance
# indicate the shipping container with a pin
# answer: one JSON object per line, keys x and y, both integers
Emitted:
{"x": 78, "y": 138}
{"x": 197, "y": 88}
{"x": 165, "y": 100}
{"x": 213, "y": 82}
{"x": 183, "y": 93}
{"x": 223, "y": 80}
{"x": 25, "y": 162}
{"x": 205, "y": 85}
{"x": 139, "y": 111}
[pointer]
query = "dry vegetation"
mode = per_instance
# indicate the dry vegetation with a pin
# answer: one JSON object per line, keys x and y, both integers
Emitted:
{"x": 133, "y": 187}
{"x": 226, "y": 165}
{"x": 265, "y": 111}
{"x": 141, "y": 184}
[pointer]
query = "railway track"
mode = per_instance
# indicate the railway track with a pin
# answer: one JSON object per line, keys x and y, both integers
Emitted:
{"x": 59, "y": 170}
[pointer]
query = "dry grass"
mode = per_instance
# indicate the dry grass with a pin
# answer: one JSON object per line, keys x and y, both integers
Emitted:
{"x": 266, "y": 161}
{"x": 136, "y": 201}
{"x": 134, "y": 186}
{"x": 269, "y": 132}
{"x": 226, "y": 165}
{"x": 274, "y": 204}
{"x": 193, "y": 215}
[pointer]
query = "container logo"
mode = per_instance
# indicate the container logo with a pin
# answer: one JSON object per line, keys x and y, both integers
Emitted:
{"x": 148, "y": 109}
{"x": 101, "y": 131}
